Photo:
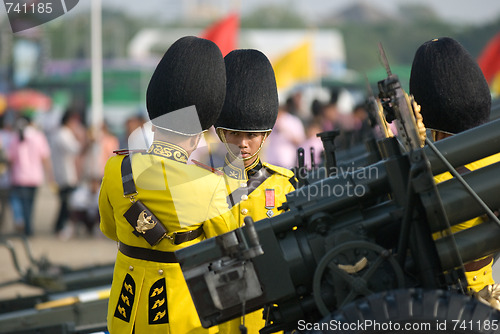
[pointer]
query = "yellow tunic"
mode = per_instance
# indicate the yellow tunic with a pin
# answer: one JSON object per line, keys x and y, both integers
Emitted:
{"x": 280, "y": 181}
{"x": 153, "y": 296}
{"x": 480, "y": 278}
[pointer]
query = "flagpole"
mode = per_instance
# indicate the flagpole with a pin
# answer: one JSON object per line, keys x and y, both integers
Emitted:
{"x": 96, "y": 65}
{"x": 96, "y": 113}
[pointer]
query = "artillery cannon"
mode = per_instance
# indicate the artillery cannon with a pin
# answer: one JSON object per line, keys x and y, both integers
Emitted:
{"x": 357, "y": 245}
{"x": 72, "y": 301}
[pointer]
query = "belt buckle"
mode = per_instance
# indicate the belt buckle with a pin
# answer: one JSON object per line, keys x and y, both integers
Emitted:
{"x": 131, "y": 197}
{"x": 171, "y": 237}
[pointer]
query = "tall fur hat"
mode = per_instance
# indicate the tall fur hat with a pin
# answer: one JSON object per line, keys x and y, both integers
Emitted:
{"x": 191, "y": 73}
{"x": 251, "y": 102}
{"x": 449, "y": 86}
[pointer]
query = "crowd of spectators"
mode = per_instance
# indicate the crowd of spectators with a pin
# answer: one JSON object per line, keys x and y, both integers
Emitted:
{"x": 65, "y": 155}
{"x": 297, "y": 127}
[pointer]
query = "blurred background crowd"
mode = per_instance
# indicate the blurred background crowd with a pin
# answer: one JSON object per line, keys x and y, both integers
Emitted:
{"x": 57, "y": 132}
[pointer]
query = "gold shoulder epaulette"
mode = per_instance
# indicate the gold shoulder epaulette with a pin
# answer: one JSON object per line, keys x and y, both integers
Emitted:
{"x": 280, "y": 170}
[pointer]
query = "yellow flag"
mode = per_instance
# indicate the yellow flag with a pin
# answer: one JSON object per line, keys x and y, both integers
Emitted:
{"x": 294, "y": 66}
{"x": 495, "y": 85}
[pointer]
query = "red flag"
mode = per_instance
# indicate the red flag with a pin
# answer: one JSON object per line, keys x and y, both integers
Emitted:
{"x": 224, "y": 33}
{"x": 489, "y": 59}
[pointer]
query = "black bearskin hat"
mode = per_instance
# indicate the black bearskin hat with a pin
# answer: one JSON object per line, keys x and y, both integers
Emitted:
{"x": 191, "y": 73}
{"x": 251, "y": 95}
{"x": 449, "y": 86}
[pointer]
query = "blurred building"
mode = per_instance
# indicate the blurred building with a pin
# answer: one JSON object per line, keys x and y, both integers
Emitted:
{"x": 327, "y": 45}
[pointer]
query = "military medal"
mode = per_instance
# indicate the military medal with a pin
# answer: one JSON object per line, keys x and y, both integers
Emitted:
{"x": 270, "y": 202}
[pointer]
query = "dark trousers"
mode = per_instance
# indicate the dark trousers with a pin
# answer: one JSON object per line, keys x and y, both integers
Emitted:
{"x": 64, "y": 194}
{"x": 4, "y": 204}
{"x": 26, "y": 197}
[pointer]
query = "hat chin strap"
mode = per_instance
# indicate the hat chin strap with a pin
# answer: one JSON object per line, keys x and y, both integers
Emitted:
{"x": 234, "y": 156}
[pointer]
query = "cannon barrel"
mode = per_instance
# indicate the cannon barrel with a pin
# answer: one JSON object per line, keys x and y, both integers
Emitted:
{"x": 469, "y": 249}
{"x": 457, "y": 202}
{"x": 466, "y": 147}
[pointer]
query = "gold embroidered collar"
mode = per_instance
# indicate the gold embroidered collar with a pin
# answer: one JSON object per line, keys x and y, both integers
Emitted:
{"x": 241, "y": 173}
{"x": 169, "y": 151}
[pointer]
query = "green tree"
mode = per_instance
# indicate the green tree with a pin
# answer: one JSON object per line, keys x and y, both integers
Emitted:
{"x": 404, "y": 33}
{"x": 70, "y": 38}
{"x": 273, "y": 16}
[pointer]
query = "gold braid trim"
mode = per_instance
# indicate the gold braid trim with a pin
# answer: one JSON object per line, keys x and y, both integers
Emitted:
{"x": 169, "y": 151}
{"x": 489, "y": 295}
{"x": 237, "y": 172}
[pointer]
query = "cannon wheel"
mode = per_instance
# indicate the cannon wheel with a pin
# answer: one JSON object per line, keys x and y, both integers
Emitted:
{"x": 362, "y": 283}
{"x": 412, "y": 311}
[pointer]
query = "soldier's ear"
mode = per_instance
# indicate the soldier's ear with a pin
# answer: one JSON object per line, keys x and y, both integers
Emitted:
{"x": 266, "y": 135}
{"x": 194, "y": 141}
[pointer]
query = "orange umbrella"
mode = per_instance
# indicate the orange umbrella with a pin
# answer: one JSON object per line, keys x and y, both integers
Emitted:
{"x": 29, "y": 99}
{"x": 3, "y": 104}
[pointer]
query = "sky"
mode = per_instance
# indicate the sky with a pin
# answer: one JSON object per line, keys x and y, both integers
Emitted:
{"x": 465, "y": 11}
{"x": 476, "y": 12}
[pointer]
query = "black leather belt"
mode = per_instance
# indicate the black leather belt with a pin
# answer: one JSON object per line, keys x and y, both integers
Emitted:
{"x": 147, "y": 254}
{"x": 180, "y": 237}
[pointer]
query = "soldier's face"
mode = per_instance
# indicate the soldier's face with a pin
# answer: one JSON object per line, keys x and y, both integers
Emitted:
{"x": 244, "y": 144}
{"x": 438, "y": 135}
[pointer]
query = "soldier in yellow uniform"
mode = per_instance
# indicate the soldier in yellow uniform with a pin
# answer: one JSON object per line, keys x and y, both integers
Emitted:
{"x": 257, "y": 189}
{"x": 454, "y": 96}
{"x": 154, "y": 203}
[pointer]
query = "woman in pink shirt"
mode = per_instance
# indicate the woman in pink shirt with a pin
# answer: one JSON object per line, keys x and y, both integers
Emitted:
{"x": 29, "y": 157}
